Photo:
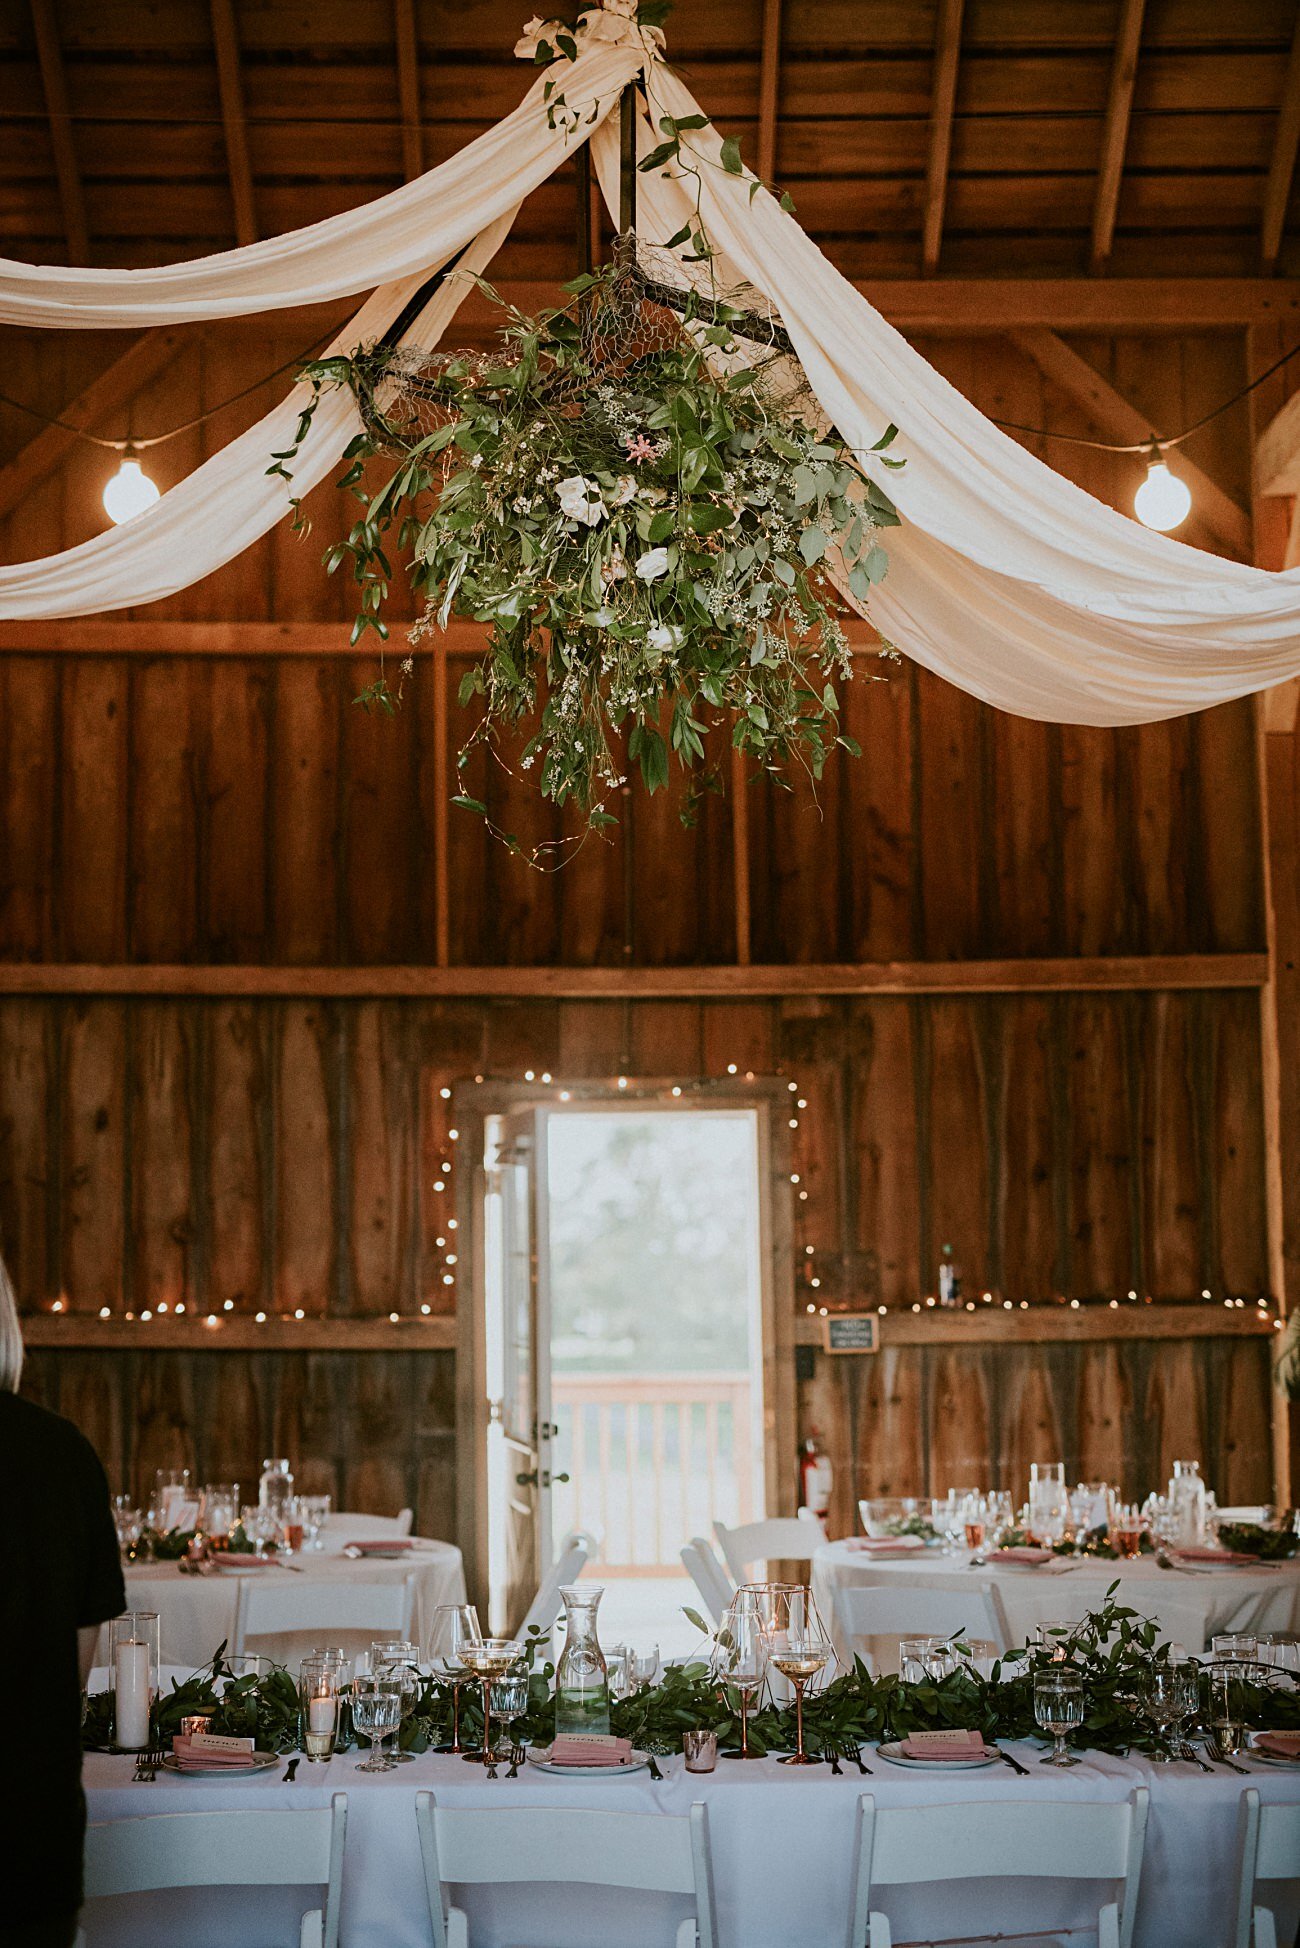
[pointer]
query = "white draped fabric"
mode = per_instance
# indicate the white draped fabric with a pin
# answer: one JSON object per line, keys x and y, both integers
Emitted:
{"x": 1005, "y": 579}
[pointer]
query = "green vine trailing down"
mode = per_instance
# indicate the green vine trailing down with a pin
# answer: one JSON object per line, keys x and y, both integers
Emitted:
{"x": 1111, "y": 1650}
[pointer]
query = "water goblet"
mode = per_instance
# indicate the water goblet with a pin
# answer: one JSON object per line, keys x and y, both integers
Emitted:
{"x": 315, "y": 1512}
{"x": 642, "y": 1666}
{"x": 617, "y": 1674}
{"x": 1235, "y": 1647}
{"x": 128, "y": 1520}
{"x": 489, "y": 1660}
{"x": 455, "y": 1626}
{"x": 376, "y": 1712}
{"x": 1163, "y": 1702}
{"x": 401, "y": 1662}
{"x": 1058, "y": 1710}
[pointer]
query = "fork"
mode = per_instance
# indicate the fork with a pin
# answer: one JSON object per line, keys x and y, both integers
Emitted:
{"x": 516, "y": 1760}
{"x": 836, "y": 1767}
{"x": 854, "y": 1752}
{"x": 1220, "y": 1757}
{"x": 1189, "y": 1752}
{"x": 146, "y": 1769}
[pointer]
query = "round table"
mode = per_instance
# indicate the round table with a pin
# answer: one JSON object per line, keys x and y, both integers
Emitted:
{"x": 1190, "y": 1605}
{"x": 196, "y": 1613}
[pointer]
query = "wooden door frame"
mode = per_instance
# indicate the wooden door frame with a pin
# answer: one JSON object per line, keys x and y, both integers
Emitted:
{"x": 473, "y": 1103}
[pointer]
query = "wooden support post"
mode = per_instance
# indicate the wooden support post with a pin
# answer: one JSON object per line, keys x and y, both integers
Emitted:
{"x": 441, "y": 859}
{"x": 408, "y": 88}
{"x": 1114, "y": 139}
{"x": 769, "y": 88}
{"x": 225, "y": 40}
{"x": 740, "y": 854}
{"x": 1280, "y": 996}
{"x": 1277, "y": 190}
{"x": 943, "y": 98}
{"x": 49, "y": 55}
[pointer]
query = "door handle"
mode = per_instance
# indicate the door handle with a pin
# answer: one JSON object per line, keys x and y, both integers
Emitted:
{"x": 529, "y": 1480}
{"x": 549, "y": 1480}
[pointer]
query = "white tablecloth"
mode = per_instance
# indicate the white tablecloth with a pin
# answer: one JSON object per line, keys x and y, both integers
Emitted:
{"x": 196, "y": 1613}
{"x": 1191, "y": 1606}
{"x": 782, "y": 1846}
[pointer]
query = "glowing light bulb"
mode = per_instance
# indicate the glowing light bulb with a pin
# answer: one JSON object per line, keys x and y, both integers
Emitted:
{"x": 1163, "y": 501}
{"x": 129, "y": 492}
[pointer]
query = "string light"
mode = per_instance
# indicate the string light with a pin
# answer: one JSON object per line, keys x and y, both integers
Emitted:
{"x": 130, "y": 491}
{"x": 1163, "y": 501}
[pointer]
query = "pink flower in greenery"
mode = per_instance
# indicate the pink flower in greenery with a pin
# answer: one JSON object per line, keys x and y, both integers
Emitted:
{"x": 639, "y": 448}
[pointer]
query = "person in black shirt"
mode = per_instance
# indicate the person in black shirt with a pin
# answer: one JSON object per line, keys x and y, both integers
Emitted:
{"x": 60, "y": 1578}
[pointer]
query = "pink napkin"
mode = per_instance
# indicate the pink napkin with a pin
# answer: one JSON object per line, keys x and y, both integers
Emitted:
{"x": 209, "y": 1748}
{"x": 1022, "y": 1552}
{"x": 238, "y": 1559}
{"x": 579, "y": 1748}
{"x": 1210, "y": 1555}
{"x": 1283, "y": 1745}
{"x": 382, "y": 1544}
{"x": 887, "y": 1545}
{"x": 943, "y": 1745}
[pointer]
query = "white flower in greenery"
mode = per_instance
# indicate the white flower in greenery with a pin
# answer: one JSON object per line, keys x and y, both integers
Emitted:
{"x": 580, "y": 500}
{"x": 626, "y": 8}
{"x": 652, "y": 564}
{"x": 623, "y": 490}
{"x": 615, "y": 569}
{"x": 535, "y": 32}
{"x": 662, "y": 636}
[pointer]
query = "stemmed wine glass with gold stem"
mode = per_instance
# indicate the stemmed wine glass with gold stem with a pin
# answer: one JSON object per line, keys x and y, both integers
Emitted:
{"x": 739, "y": 1659}
{"x": 489, "y": 1660}
{"x": 455, "y": 1628}
{"x": 801, "y": 1650}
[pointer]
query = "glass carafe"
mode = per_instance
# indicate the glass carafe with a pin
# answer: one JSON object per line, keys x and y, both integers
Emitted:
{"x": 581, "y": 1680}
{"x": 1187, "y": 1493}
{"x": 275, "y": 1494}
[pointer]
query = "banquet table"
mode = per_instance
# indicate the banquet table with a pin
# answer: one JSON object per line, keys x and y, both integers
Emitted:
{"x": 782, "y": 1855}
{"x": 196, "y": 1613}
{"x": 1191, "y": 1605}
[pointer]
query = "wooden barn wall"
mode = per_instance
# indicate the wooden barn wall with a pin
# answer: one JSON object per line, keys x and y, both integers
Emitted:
{"x": 278, "y": 1153}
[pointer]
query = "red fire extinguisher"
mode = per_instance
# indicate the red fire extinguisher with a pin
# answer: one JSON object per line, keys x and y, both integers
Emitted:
{"x": 816, "y": 1476}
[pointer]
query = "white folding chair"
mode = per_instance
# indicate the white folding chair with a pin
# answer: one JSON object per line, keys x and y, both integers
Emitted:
{"x": 783, "y": 1538}
{"x": 570, "y": 1559}
{"x": 298, "y": 1847}
{"x": 867, "y": 1613}
{"x": 351, "y": 1525}
{"x": 650, "y": 1853}
{"x": 1063, "y": 1839}
{"x": 710, "y": 1578}
{"x": 1270, "y": 1850}
{"x": 298, "y": 1614}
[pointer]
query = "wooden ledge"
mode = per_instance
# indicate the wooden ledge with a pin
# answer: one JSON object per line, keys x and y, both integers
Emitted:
{"x": 1054, "y": 976}
{"x": 1046, "y": 1325}
{"x": 240, "y": 1333}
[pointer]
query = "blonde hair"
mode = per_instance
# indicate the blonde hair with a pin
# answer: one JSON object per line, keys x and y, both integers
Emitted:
{"x": 11, "y": 1336}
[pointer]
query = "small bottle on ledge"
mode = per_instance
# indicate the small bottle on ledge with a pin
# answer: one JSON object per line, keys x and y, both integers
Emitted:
{"x": 949, "y": 1278}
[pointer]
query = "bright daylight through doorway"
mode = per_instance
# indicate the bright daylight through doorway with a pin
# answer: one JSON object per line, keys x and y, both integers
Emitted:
{"x": 654, "y": 1231}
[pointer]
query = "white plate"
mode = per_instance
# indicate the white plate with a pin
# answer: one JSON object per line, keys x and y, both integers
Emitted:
{"x": 1269, "y": 1758}
{"x": 537, "y": 1757}
{"x": 262, "y": 1762}
{"x": 892, "y": 1753}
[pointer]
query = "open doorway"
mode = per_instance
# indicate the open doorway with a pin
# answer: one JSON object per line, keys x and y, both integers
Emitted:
{"x": 628, "y": 1247}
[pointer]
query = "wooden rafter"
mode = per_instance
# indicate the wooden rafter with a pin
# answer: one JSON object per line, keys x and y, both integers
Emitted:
{"x": 769, "y": 88}
{"x": 1114, "y": 137}
{"x": 1118, "y": 973}
{"x": 408, "y": 88}
{"x": 143, "y": 360}
{"x": 1277, "y": 190}
{"x": 1120, "y": 419}
{"x": 225, "y": 40}
{"x": 49, "y": 54}
{"x": 943, "y": 98}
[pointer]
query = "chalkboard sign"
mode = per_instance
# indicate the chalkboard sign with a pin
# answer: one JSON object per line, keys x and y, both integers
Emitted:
{"x": 852, "y": 1332}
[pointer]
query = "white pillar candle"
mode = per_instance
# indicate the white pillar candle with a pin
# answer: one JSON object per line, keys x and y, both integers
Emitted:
{"x": 320, "y": 1715}
{"x": 131, "y": 1678}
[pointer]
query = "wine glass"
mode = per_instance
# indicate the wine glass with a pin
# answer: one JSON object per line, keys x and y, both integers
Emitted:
{"x": 455, "y": 1625}
{"x": 315, "y": 1512}
{"x": 801, "y": 1650}
{"x": 1162, "y": 1701}
{"x": 617, "y": 1674}
{"x": 1058, "y": 1709}
{"x": 489, "y": 1660}
{"x": 945, "y": 1519}
{"x": 128, "y": 1520}
{"x": 643, "y": 1666}
{"x": 739, "y": 1659}
{"x": 975, "y": 1526}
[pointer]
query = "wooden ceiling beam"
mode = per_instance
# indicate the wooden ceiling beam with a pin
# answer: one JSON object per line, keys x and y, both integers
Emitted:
{"x": 1281, "y": 172}
{"x": 769, "y": 88}
{"x": 225, "y": 41}
{"x": 142, "y": 361}
{"x": 1114, "y": 137}
{"x": 943, "y": 99}
{"x": 49, "y": 55}
{"x": 1116, "y": 973}
{"x": 407, "y": 38}
{"x": 1120, "y": 419}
